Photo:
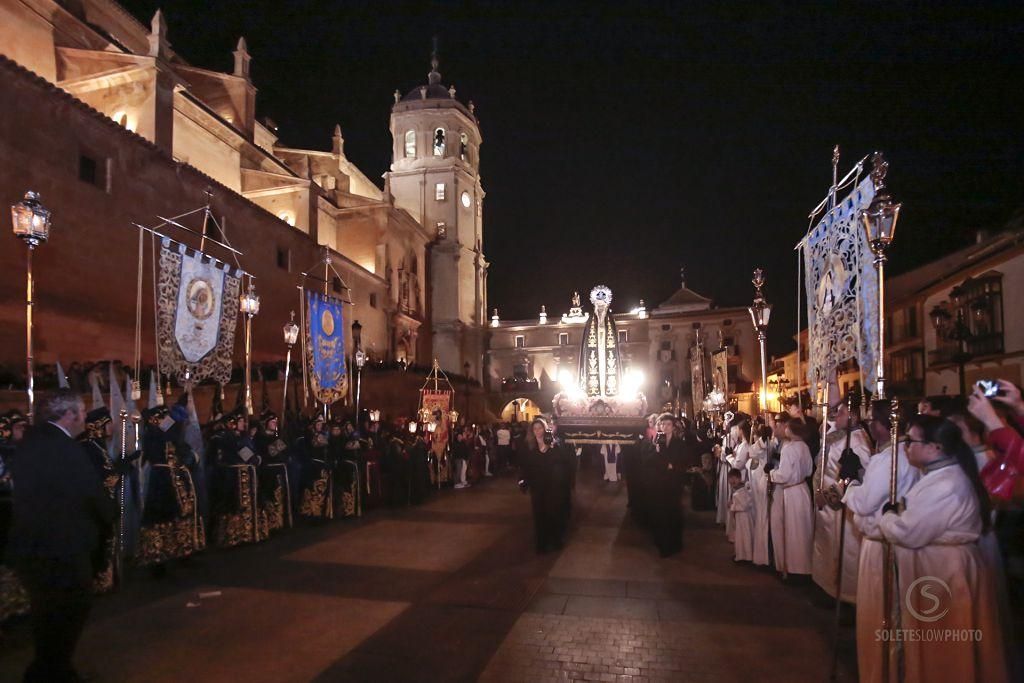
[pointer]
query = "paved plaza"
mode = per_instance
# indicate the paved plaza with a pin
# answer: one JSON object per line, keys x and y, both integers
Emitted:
{"x": 452, "y": 591}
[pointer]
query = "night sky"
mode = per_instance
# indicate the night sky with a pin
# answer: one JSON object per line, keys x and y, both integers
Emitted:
{"x": 624, "y": 140}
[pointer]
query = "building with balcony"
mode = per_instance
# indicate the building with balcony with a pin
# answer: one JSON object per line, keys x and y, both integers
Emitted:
{"x": 684, "y": 337}
{"x": 947, "y": 321}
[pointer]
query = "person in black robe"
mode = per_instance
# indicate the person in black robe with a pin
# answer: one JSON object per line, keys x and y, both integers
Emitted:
{"x": 546, "y": 472}
{"x": 395, "y": 465}
{"x": 171, "y": 526}
{"x": 274, "y": 473}
{"x": 98, "y": 429}
{"x": 235, "y": 514}
{"x": 419, "y": 468}
{"x": 666, "y": 467}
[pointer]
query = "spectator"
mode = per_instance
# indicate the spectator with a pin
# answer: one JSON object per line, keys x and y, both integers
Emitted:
{"x": 61, "y": 511}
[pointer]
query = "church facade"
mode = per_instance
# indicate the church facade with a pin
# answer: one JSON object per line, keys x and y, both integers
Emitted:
{"x": 112, "y": 127}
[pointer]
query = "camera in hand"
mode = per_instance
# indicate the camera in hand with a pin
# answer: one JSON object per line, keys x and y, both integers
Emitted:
{"x": 990, "y": 388}
{"x": 660, "y": 438}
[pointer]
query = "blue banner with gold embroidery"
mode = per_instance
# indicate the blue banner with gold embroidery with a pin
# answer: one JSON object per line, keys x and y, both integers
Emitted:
{"x": 325, "y": 347}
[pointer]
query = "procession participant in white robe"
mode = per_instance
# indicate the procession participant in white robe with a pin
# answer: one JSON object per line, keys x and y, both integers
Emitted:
{"x": 935, "y": 537}
{"x": 610, "y": 455}
{"x": 722, "y": 494}
{"x": 739, "y": 435}
{"x": 844, "y": 435}
{"x": 864, "y": 499}
{"x": 776, "y": 503}
{"x": 741, "y": 508}
{"x": 758, "y": 480}
{"x": 796, "y": 533}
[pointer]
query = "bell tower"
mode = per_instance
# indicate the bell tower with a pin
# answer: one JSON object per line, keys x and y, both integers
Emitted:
{"x": 435, "y": 176}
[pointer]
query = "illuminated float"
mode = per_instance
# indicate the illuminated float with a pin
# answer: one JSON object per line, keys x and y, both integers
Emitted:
{"x": 603, "y": 404}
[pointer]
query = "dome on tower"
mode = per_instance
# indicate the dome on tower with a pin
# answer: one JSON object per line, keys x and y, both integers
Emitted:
{"x": 432, "y": 95}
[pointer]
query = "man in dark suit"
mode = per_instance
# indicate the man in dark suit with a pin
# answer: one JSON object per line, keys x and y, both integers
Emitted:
{"x": 61, "y": 512}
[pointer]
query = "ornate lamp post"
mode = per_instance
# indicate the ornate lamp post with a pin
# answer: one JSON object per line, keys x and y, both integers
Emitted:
{"x": 760, "y": 313}
{"x": 955, "y": 329}
{"x": 360, "y": 360}
{"x": 249, "y": 305}
{"x": 291, "y": 335}
{"x": 879, "y": 221}
{"x": 31, "y": 223}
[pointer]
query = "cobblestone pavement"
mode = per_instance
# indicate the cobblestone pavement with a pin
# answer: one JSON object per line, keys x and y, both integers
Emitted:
{"x": 452, "y": 591}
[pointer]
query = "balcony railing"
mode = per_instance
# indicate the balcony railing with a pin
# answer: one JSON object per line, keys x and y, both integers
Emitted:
{"x": 519, "y": 385}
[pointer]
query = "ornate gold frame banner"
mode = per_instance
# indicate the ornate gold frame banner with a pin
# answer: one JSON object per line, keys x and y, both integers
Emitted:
{"x": 325, "y": 347}
{"x": 197, "y": 309}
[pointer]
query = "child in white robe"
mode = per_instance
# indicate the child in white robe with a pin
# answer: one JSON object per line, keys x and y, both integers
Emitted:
{"x": 758, "y": 480}
{"x": 741, "y": 508}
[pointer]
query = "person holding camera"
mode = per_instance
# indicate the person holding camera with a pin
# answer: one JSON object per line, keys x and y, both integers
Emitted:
{"x": 546, "y": 473}
{"x": 998, "y": 405}
{"x": 666, "y": 465}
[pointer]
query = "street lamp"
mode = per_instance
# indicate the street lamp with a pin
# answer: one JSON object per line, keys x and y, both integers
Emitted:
{"x": 879, "y": 221}
{"x": 31, "y": 224}
{"x": 760, "y": 313}
{"x": 360, "y": 360}
{"x": 954, "y": 329}
{"x": 291, "y": 335}
{"x": 249, "y": 305}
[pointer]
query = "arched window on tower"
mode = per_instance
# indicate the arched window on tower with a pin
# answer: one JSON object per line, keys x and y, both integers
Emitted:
{"x": 464, "y": 147}
{"x": 439, "y": 142}
{"x": 410, "y": 144}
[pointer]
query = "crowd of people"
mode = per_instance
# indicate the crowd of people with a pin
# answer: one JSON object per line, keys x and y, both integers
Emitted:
{"x": 784, "y": 507}
{"x": 186, "y": 488}
{"x": 954, "y": 531}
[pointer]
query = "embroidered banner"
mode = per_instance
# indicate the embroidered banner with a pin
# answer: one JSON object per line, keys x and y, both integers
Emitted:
{"x": 697, "y": 377}
{"x": 325, "y": 347}
{"x": 197, "y": 305}
{"x": 720, "y": 372}
{"x": 842, "y": 290}
{"x": 439, "y": 404}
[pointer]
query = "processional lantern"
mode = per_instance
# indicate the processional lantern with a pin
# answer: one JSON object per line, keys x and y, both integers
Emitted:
{"x": 249, "y": 304}
{"x": 31, "y": 220}
{"x": 879, "y": 219}
{"x": 291, "y": 332}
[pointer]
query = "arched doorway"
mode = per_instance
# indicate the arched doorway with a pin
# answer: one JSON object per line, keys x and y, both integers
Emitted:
{"x": 520, "y": 410}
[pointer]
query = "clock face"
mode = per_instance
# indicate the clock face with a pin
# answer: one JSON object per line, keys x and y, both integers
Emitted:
{"x": 467, "y": 201}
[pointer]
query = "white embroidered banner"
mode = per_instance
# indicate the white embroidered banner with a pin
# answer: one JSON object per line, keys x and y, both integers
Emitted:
{"x": 198, "y": 308}
{"x": 842, "y": 290}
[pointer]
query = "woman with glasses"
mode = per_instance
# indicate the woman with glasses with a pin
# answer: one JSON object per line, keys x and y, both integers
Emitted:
{"x": 945, "y": 591}
{"x": 864, "y": 499}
